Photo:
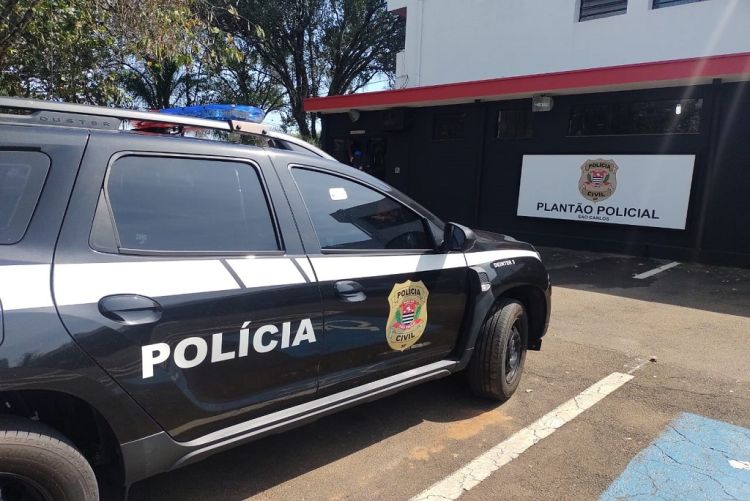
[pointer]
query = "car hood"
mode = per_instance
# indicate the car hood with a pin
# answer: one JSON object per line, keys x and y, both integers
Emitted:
{"x": 486, "y": 241}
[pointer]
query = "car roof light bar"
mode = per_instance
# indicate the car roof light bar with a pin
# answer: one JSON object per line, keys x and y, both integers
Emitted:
{"x": 101, "y": 111}
{"x": 224, "y": 112}
{"x": 76, "y": 115}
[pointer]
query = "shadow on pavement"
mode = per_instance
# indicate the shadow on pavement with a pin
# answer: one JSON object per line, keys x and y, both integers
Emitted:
{"x": 251, "y": 469}
{"x": 704, "y": 287}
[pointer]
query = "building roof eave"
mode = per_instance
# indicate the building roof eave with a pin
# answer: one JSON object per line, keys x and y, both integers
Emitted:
{"x": 692, "y": 71}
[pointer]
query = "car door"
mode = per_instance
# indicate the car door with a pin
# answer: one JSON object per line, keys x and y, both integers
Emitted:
{"x": 391, "y": 301}
{"x": 190, "y": 286}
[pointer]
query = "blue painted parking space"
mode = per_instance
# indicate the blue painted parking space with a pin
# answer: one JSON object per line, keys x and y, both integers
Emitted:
{"x": 695, "y": 458}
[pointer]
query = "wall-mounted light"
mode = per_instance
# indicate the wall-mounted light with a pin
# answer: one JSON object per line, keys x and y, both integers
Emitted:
{"x": 354, "y": 115}
{"x": 678, "y": 109}
{"x": 542, "y": 103}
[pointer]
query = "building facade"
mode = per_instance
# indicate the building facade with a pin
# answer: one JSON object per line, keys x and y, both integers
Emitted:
{"x": 613, "y": 125}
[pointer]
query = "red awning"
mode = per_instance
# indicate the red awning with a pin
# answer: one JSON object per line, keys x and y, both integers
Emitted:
{"x": 662, "y": 73}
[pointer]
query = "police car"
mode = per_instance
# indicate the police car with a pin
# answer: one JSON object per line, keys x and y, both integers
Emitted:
{"x": 169, "y": 290}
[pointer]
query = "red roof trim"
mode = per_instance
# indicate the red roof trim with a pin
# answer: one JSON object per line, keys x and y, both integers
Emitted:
{"x": 681, "y": 69}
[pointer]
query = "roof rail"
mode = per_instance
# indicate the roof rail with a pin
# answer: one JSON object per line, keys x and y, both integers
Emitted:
{"x": 101, "y": 117}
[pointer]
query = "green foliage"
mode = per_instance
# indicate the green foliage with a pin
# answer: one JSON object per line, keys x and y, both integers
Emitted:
{"x": 59, "y": 52}
{"x": 237, "y": 75}
{"x": 15, "y": 16}
{"x": 156, "y": 84}
{"x": 162, "y": 53}
{"x": 74, "y": 50}
{"x": 156, "y": 29}
{"x": 314, "y": 46}
{"x": 360, "y": 40}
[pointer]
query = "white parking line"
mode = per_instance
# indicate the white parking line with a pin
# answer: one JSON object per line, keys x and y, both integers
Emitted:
{"x": 651, "y": 273}
{"x": 740, "y": 465}
{"x": 468, "y": 477}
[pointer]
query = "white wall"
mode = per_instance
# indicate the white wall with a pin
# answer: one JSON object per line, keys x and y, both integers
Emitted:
{"x": 464, "y": 40}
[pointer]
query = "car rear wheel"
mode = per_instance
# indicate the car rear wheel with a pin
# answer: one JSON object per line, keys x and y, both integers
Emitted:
{"x": 497, "y": 362}
{"x": 39, "y": 464}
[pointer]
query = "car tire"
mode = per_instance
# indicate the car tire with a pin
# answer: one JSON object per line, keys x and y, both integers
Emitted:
{"x": 41, "y": 464}
{"x": 497, "y": 363}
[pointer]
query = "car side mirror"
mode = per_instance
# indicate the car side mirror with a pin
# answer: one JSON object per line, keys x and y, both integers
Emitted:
{"x": 457, "y": 238}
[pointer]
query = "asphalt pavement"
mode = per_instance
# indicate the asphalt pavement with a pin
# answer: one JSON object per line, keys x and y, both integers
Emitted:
{"x": 682, "y": 334}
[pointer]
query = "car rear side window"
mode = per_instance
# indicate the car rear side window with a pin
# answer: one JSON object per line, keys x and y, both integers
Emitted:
{"x": 348, "y": 215}
{"x": 22, "y": 176}
{"x": 171, "y": 204}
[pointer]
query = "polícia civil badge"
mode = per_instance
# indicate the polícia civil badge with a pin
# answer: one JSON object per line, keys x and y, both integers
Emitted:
{"x": 408, "y": 318}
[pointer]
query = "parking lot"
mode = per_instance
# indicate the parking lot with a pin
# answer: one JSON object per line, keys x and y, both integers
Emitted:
{"x": 682, "y": 334}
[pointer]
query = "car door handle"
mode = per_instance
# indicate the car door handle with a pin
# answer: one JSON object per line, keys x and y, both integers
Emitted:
{"x": 350, "y": 291}
{"x": 130, "y": 309}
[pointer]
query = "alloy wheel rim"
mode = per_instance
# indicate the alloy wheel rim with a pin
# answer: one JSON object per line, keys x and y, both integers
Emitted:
{"x": 513, "y": 354}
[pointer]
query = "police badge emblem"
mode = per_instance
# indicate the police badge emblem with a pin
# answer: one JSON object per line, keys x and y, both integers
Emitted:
{"x": 408, "y": 317}
{"x": 598, "y": 179}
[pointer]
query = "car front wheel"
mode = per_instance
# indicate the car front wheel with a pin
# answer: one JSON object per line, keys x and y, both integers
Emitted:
{"x": 497, "y": 362}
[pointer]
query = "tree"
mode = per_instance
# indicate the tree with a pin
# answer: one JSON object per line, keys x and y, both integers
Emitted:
{"x": 235, "y": 74}
{"x": 15, "y": 16}
{"x": 157, "y": 84}
{"x": 74, "y": 50}
{"x": 156, "y": 29}
{"x": 314, "y": 46}
{"x": 356, "y": 52}
{"x": 245, "y": 81}
{"x": 57, "y": 51}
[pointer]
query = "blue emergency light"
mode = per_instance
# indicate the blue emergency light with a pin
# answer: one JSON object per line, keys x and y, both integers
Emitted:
{"x": 224, "y": 112}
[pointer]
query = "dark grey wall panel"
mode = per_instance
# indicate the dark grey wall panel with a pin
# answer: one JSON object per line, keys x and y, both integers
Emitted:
{"x": 475, "y": 180}
{"x": 726, "y": 219}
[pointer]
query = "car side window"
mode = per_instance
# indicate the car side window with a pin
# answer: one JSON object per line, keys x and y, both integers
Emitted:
{"x": 189, "y": 205}
{"x": 22, "y": 176}
{"x": 349, "y": 215}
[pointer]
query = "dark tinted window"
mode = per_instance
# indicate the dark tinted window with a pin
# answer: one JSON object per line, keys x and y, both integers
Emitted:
{"x": 593, "y": 9}
{"x": 348, "y": 215}
{"x": 513, "y": 124}
{"x": 668, "y": 3}
{"x": 670, "y": 116}
{"x": 22, "y": 176}
{"x": 186, "y": 204}
{"x": 288, "y": 145}
{"x": 448, "y": 126}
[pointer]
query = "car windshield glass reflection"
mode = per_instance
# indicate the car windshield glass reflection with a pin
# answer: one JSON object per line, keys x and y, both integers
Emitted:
{"x": 347, "y": 215}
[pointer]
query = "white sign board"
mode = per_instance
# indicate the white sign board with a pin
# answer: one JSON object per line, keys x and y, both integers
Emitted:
{"x": 639, "y": 190}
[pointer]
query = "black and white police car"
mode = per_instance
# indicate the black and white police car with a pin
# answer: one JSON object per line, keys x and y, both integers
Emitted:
{"x": 165, "y": 297}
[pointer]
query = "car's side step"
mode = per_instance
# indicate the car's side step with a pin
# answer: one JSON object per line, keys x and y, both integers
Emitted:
{"x": 166, "y": 454}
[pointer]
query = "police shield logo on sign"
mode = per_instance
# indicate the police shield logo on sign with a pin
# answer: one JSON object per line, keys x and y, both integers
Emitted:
{"x": 598, "y": 179}
{"x": 408, "y": 318}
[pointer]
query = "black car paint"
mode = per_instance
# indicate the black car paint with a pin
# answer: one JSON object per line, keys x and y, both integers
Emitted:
{"x": 188, "y": 404}
{"x": 36, "y": 352}
{"x": 353, "y": 355}
{"x": 526, "y": 272}
{"x": 164, "y": 422}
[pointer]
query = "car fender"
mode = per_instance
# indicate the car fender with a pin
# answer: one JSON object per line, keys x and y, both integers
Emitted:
{"x": 492, "y": 280}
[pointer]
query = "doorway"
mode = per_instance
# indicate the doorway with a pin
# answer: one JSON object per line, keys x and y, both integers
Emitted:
{"x": 363, "y": 152}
